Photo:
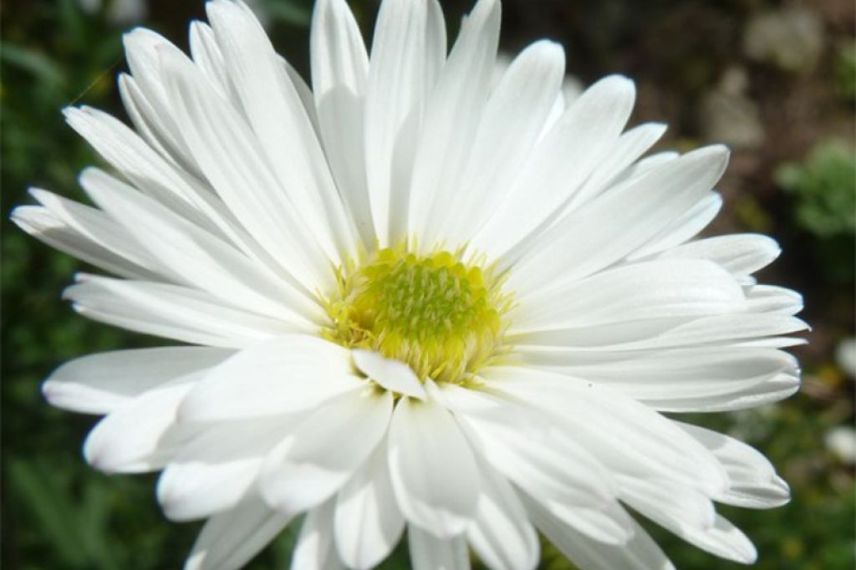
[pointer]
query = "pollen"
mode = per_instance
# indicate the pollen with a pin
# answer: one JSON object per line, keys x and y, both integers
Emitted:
{"x": 439, "y": 314}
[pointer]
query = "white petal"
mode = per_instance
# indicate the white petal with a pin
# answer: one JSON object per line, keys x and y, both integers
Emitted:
{"x": 100, "y": 383}
{"x": 368, "y": 523}
{"x": 98, "y": 227}
{"x": 170, "y": 311}
{"x": 433, "y": 471}
{"x": 531, "y": 452}
{"x": 215, "y": 465}
{"x": 200, "y": 258}
{"x": 452, "y": 116}
{"x": 692, "y": 506}
{"x": 586, "y": 131}
{"x": 208, "y": 56}
{"x": 428, "y": 552}
{"x": 501, "y": 534}
{"x": 405, "y": 60}
{"x": 281, "y": 125}
{"x": 660, "y": 289}
{"x": 230, "y": 539}
{"x": 189, "y": 491}
{"x": 340, "y": 69}
{"x": 288, "y": 374}
{"x": 142, "y": 51}
{"x": 325, "y": 450}
{"x": 772, "y": 299}
{"x": 641, "y": 553}
{"x": 692, "y": 379}
{"x": 129, "y": 439}
{"x": 622, "y": 434}
{"x": 392, "y": 374}
{"x": 618, "y": 165}
{"x": 138, "y": 162}
{"x": 511, "y": 123}
{"x": 753, "y": 482}
{"x": 235, "y": 165}
{"x": 721, "y": 538}
{"x": 609, "y": 228}
{"x": 683, "y": 228}
{"x": 46, "y": 227}
{"x": 314, "y": 549}
{"x": 158, "y": 178}
{"x": 741, "y": 254}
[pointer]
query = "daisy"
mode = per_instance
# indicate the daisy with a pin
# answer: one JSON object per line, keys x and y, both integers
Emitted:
{"x": 413, "y": 297}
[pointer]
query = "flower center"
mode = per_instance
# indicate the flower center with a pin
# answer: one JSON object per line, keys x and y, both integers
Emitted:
{"x": 441, "y": 316}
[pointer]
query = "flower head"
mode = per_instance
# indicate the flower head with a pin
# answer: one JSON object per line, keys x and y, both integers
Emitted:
{"x": 413, "y": 296}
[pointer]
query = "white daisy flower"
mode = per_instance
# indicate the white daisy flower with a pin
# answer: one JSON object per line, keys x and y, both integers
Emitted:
{"x": 416, "y": 299}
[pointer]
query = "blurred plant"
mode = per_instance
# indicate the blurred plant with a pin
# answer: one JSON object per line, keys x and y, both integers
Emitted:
{"x": 825, "y": 189}
{"x": 845, "y": 71}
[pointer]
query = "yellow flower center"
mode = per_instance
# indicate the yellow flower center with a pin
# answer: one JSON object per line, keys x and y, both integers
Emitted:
{"x": 440, "y": 315}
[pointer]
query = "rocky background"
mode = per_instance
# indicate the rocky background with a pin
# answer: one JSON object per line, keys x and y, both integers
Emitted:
{"x": 775, "y": 80}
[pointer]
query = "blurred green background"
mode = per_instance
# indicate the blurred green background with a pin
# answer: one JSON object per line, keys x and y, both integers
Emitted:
{"x": 774, "y": 80}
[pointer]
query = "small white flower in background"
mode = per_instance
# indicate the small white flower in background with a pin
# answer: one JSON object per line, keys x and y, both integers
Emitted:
{"x": 845, "y": 356}
{"x": 841, "y": 441}
{"x": 417, "y": 299}
{"x": 119, "y": 12}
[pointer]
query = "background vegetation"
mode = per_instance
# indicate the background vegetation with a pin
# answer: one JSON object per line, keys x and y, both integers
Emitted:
{"x": 774, "y": 80}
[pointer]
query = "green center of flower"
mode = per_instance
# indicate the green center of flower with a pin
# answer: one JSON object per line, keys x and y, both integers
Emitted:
{"x": 438, "y": 314}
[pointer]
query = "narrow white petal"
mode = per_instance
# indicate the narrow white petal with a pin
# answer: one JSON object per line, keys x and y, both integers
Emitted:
{"x": 741, "y": 254}
{"x": 325, "y": 450}
{"x": 100, "y": 383}
{"x": 659, "y": 289}
{"x": 433, "y": 471}
{"x": 452, "y": 116}
{"x": 531, "y": 452}
{"x": 157, "y": 177}
{"x": 404, "y": 67}
{"x": 43, "y": 225}
{"x": 215, "y": 465}
{"x": 128, "y": 440}
{"x": 98, "y": 227}
{"x": 198, "y": 257}
{"x": 607, "y": 229}
{"x": 170, "y": 311}
{"x": 142, "y": 51}
{"x": 753, "y": 482}
{"x": 189, "y": 490}
{"x": 625, "y": 436}
{"x": 699, "y": 379}
{"x": 230, "y": 539}
{"x": 772, "y": 299}
{"x": 721, "y": 538}
{"x": 209, "y": 57}
{"x": 288, "y": 374}
{"x": 641, "y": 553}
{"x": 340, "y": 68}
{"x": 683, "y": 228}
{"x": 511, "y": 123}
{"x": 501, "y": 534}
{"x": 428, "y": 552}
{"x": 284, "y": 130}
{"x": 368, "y": 523}
{"x": 314, "y": 549}
{"x": 618, "y": 165}
{"x": 236, "y": 166}
{"x": 694, "y": 507}
{"x": 393, "y": 375}
{"x": 586, "y": 131}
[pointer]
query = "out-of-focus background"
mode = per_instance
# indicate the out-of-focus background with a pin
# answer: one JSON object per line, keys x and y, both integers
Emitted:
{"x": 774, "y": 80}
